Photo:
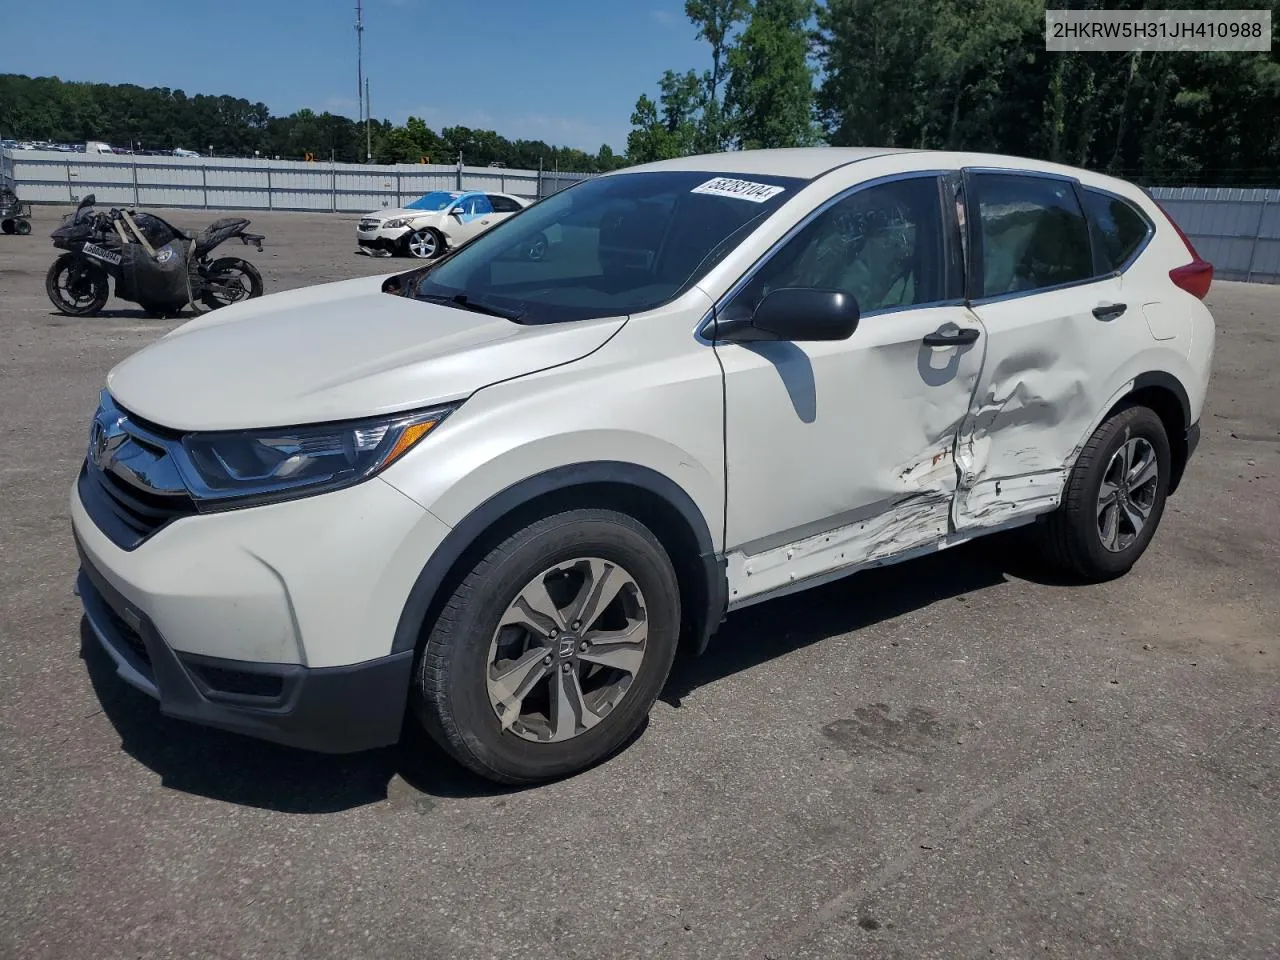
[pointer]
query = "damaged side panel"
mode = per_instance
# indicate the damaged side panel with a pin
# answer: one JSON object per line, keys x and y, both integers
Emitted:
{"x": 842, "y": 453}
{"x": 1042, "y": 386}
{"x": 891, "y": 530}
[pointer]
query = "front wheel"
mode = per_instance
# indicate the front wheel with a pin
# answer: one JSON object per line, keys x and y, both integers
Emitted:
{"x": 23, "y": 227}
{"x": 425, "y": 244}
{"x": 231, "y": 280}
{"x": 552, "y": 649}
{"x": 77, "y": 287}
{"x": 1114, "y": 498}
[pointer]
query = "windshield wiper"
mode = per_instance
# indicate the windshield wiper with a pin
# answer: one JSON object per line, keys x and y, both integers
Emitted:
{"x": 463, "y": 302}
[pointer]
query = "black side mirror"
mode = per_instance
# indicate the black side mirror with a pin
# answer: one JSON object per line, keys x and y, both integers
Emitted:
{"x": 798, "y": 314}
{"x": 456, "y": 212}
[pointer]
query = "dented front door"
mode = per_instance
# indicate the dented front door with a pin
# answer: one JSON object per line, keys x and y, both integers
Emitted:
{"x": 842, "y": 453}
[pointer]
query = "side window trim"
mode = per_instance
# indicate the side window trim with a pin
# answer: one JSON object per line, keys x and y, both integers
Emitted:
{"x": 1142, "y": 215}
{"x": 1097, "y": 257}
{"x": 749, "y": 274}
{"x": 975, "y": 235}
{"x": 955, "y": 243}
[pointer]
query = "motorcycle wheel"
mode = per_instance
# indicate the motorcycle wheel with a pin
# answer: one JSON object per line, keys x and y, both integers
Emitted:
{"x": 24, "y": 228}
{"x": 77, "y": 287}
{"x": 231, "y": 280}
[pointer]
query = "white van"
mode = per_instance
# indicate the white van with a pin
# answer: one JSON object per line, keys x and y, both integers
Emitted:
{"x": 95, "y": 147}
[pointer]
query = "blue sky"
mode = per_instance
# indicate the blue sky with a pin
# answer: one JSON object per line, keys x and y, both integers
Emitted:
{"x": 564, "y": 71}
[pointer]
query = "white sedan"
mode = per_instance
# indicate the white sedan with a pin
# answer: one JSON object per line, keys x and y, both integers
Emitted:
{"x": 434, "y": 223}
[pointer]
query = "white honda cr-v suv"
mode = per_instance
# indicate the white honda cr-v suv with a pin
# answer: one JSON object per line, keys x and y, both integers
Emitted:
{"x": 499, "y": 492}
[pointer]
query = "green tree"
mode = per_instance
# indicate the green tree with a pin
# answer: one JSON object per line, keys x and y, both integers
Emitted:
{"x": 681, "y": 98}
{"x": 715, "y": 21}
{"x": 649, "y": 138}
{"x": 427, "y": 140}
{"x": 770, "y": 90}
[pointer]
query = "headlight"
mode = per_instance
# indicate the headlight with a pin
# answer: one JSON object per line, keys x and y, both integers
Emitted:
{"x": 397, "y": 224}
{"x": 256, "y": 466}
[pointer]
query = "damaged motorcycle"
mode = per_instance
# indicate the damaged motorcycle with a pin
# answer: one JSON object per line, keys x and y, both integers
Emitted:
{"x": 154, "y": 264}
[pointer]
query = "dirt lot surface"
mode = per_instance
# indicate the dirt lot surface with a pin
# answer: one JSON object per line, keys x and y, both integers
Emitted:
{"x": 954, "y": 758}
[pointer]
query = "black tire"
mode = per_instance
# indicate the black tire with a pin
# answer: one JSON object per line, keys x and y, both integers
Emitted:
{"x": 426, "y": 244}
{"x": 238, "y": 280}
{"x": 1071, "y": 538}
{"x": 450, "y": 693}
{"x": 86, "y": 282}
{"x": 24, "y": 227}
{"x": 8, "y": 226}
{"x": 159, "y": 313}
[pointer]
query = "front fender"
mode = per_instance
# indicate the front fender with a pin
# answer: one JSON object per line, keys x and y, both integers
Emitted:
{"x": 426, "y": 589}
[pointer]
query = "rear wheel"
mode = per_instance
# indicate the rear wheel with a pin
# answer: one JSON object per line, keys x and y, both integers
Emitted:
{"x": 231, "y": 280}
{"x": 8, "y": 226}
{"x": 77, "y": 287}
{"x": 552, "y": 649}
{"x": 1114, "y": 498}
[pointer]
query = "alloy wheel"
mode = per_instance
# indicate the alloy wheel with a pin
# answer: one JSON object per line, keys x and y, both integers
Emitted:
{"x": 423, "y": 244}
{"x": 1127, "y": 494}
{"x": 567, "y": 650}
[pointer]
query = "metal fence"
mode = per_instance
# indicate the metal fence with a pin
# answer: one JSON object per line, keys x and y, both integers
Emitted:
{"x": 1234, "y": 228}
{"x": 228, "y": 184}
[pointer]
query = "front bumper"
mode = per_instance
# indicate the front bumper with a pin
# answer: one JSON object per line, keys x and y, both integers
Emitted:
{"x": 382, "y": 238}
{"x": 319, "y": 581}
{"x": 327, "y": 709}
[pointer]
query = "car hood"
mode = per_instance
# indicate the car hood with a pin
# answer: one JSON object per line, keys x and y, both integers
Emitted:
{"x": 400, "y": 212}
{"x": 334, "y": 352}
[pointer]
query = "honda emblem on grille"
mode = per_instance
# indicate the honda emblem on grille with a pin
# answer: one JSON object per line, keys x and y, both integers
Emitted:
{"x": 104, "y": 431}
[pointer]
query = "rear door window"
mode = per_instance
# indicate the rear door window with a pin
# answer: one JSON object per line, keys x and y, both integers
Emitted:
{"x": 1032, "y": 232}
{"x": 1119, "y": 229}
{"x": 503, "y": 204}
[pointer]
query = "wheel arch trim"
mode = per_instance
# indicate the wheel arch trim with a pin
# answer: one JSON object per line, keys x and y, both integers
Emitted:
{"x": 442, "y": 562}
{"x": 1180, "y": 443}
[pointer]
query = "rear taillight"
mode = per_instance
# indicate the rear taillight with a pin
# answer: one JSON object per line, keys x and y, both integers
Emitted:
{"x": 1195, "y": 277}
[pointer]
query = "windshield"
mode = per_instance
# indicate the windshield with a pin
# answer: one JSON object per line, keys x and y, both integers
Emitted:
{"x": 436, "y": 200}
{"x": 610, "y": 246}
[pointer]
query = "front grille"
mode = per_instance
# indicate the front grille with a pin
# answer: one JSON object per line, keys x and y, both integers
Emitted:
{"x": 127, "y": 514}
{"x": 370, "y": 224}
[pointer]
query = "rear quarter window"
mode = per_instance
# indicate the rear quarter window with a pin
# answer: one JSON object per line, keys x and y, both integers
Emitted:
{"x": 1119, "y": 228}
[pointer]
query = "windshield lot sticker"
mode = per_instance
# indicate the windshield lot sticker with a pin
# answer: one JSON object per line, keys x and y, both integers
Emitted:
{"x": 739, "y": 189}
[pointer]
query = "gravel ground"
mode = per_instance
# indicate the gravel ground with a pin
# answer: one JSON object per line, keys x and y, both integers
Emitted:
{"x": 953, "y": 758}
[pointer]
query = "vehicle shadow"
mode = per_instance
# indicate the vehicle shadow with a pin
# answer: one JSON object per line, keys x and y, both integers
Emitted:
{"x": 776, "y": 627}
{"x": 237, "y": 769}
{"x": 118, "y": 313}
